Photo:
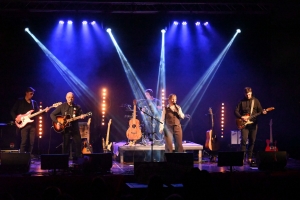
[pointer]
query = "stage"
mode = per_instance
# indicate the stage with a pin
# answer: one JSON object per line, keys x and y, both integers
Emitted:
{"x": 122, "y": 180}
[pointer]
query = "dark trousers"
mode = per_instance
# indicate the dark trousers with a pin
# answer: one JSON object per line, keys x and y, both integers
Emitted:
{"x": 75, "y": 134}
{"x": 27, "y": 138}
{"x": 173, "y": 133}
{"x": 249, "y": 132}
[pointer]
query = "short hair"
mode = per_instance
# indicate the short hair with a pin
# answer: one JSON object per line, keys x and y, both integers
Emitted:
{"x": 30, "y": 89}
{"x": 247, "y": 89}
{"x": 150, "y": 91}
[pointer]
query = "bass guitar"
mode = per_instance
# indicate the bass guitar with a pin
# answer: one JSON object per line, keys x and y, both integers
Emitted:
{"x": 134, "y": 131}
{"x": 64, "y": 121}
{"x": 269, "y": 142}
{"x": 211, "y": 142}
{"x": 240, "y": 123}
{"x": 106, "y": 144}
{"x": 87, "y": 148}
{"x": 23, "y": 119}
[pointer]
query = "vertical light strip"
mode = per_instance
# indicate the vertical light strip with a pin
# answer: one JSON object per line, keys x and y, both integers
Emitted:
{"x": 222, "y": 120}
{"x": 103, "y": 106}
{"x": 40, "y": 124}
{"x": 163, "y": 97}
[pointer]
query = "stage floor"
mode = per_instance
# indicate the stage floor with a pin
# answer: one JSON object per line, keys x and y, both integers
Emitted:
{"x": 127, "y": 168}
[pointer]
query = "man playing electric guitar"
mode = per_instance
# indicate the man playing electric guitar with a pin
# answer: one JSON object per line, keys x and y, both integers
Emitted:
{"x": 28, "y": 130}
{"x": 249, "y": 108}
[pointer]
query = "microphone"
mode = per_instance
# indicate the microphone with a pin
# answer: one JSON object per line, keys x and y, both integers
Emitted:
{"x": 175, "y": 105}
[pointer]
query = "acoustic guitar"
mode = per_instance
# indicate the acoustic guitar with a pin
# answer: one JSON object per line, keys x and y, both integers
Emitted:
{"x": 211, "y": 142}
{"x": 240, "y": 123}
{"x": 87, "y": 148}
{"x": 65, "y": 121}
{"x": 134, "y": 131}
{"x": 270, "y": 146}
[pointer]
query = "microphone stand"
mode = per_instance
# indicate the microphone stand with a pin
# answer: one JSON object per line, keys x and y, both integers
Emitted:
{"x": 152, "y": 117}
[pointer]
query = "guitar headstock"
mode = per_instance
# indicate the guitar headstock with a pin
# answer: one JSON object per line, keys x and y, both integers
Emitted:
{"x": 269, "y": 109}
{"x": 134, "y": 101}
{"x": 88, "y": 114}
{"x": 210, "y": 111}
{"x": 56, "y": 104}
{"x": 89, "y": 121}
{"x": 109, "y": 122}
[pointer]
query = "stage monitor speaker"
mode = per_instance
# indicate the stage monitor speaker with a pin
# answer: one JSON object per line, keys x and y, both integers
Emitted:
{"x": 185, "y": 159}
{"x": 15, "y": 162}
{"x": 271, "y": 160}
{"x": 54, "y": 161}
{"x": 230, "y": 158}
{"x": 97, "y": 162}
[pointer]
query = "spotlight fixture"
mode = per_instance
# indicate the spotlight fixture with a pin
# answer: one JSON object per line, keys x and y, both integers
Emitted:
{"x": 93, "y": 22}
{"x": 206, "y": 23}
{"x": 108, "y": 30}
{"x": 61, "y": 22}
{"x": 163, "y": 30}
{"x": 70, "y": 22}
{"x": 26, "y": 29}
{"x": 175, "y": 23}
{"x": 197, "y": 23}
{"x": 184, "y": 23}
{"x": 84, "y": 22}
{"x": 238, "y": 30}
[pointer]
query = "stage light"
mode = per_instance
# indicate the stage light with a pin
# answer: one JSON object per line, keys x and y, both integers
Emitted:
{"x": 175, "y": 23}
{"x": 84, "y": 22}
{"x": 238, "y": 30}
{"x": 197, "y": 23}
{"x": 184, "y": 23}
{"x": 163, "y": 30}
{"x": 70, "y": 22}
{"x": 108, "y": 30}
{"x": 26, "y": 29}
{"x": 206, "y": 23}
{"x": 93, "y": 22}
{"x": 61, "y": 22}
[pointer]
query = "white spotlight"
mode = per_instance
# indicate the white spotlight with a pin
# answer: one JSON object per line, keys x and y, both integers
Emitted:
{"x": 26, "y": 29}
{"x": 70, "y": 22}
{"x": 108, "y": 30}
{"x": 163, "y": 30}
{"x": 238, "y": 30}
{"x": 61, "y": 22}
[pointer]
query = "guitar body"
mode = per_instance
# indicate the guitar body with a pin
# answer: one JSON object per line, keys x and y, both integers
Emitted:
{"x": 134, "y": 132}
{"x": 86, "y": 148}
{"x": 208, "y": 140}
{"x": 63, "y": 121}
{"x": 22, "y": 120}
{"x": 270, "y": 146}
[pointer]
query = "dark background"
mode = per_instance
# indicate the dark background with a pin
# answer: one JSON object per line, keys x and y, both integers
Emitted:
{"x": 265, "y": 56}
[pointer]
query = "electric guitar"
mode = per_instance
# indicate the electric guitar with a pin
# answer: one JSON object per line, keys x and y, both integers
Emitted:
{"x": 87, "y": 148}
{"x": 211, "y": 142}
{"x": 240, "y": 123}
{"x": 23, "y": 119}
{"x": 269, "y": 142}
{"x": 64, "y": 121}
{"x": 107, "y": 144}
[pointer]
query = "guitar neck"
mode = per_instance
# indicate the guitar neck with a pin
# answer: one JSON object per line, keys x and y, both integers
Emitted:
{"x": 134, "y": 113}
{"x": 39, "y": 112}
{"x": 107, "y": 135}
{"x": 74, "y": 118}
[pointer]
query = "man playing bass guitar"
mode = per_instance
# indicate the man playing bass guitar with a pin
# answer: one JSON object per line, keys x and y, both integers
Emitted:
{"x": 249, "y": 108}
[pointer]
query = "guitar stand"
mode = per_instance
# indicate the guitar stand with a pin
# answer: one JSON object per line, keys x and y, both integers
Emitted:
{"x": 212, "y": 158}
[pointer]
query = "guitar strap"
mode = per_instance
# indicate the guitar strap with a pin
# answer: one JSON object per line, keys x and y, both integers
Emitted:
{"x": 252, "y": 104}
